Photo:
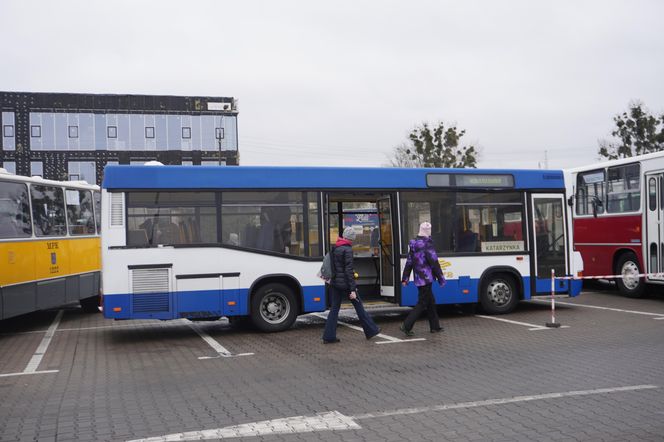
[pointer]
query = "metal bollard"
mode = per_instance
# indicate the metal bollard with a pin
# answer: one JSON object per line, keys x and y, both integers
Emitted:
{"x": 553, "y": 323}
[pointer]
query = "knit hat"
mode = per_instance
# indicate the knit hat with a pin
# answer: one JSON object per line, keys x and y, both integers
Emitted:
{"x": 425, "y": 229}
{"x": 349, "y": 233}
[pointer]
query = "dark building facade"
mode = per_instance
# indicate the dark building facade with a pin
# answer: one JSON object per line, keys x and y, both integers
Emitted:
{"x": 74, "y": 136}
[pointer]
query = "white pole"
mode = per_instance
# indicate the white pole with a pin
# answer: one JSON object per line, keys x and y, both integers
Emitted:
{"x": 553, "y": 322}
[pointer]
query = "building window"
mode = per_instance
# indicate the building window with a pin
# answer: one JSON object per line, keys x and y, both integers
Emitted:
{"x": 112, "y": 131}
{"x": 186, "y": 132}
{"x": 35, "y": 131}
{"x": 219, "y": 133}
{"x": 10, "y": 166}
{"x": 187, "y": 163}
{"x": 36, "y": 168}
{"x": 82, "y": 170}
{"x": 73, "y": 131}
{"x": 149, "y": 132}
{"x": 8, "y": 130}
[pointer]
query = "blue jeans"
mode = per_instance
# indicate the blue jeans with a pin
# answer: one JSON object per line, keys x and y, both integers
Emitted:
{"x": 335, "y": 294}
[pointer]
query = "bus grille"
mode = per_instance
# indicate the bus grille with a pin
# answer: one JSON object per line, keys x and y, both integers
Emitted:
{"x": 117, "y": 209}
{"x": 150, "y": 302}
{"x": 150, "y": 280}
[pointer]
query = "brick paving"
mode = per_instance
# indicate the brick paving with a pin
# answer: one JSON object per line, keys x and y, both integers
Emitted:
{"x": 129, "y": 380}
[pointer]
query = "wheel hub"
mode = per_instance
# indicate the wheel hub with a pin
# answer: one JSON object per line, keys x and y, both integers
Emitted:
{"x": 499, "y": 293}
{"x": 274, "y": 308}
{"x": 629, "y": 269}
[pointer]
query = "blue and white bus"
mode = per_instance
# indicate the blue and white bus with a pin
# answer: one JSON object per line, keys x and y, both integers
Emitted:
{"x": 202, "y": 242}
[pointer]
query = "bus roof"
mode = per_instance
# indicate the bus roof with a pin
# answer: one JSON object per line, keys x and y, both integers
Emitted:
{"x": 6, "y": 176}
{"x": 122, "y": 177}
{"x": 618, "y": 162}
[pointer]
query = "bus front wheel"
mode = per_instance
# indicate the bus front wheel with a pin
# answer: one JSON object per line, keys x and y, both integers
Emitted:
{"x": 632, "y": 287}
{"x": 498, "y": 294}
{"x": 273, "y": 308}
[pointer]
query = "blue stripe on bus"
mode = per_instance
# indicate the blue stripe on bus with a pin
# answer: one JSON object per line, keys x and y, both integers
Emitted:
{"x": 211, "y": 303}
{"x": 251, "y": 177}
{"x": 197, "y": 304}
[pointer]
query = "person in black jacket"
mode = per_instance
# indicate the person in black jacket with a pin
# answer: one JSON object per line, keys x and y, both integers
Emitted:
{"x": 343, "y": 284}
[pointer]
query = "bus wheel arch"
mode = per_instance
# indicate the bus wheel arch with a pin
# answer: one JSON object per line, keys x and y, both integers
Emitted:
{"x": 625, "y": 260}
{"x": 275, "y": 302}
{"x": 500, "y": 290}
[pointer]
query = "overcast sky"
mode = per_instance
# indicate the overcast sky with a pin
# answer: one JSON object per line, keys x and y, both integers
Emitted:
{"x": 343, "y": 82}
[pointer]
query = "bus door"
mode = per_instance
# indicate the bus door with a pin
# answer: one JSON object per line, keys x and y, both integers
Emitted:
{"x": 386, "y": 244}
{"x": 549, "y": 237}
{"x": 654, "y": 243}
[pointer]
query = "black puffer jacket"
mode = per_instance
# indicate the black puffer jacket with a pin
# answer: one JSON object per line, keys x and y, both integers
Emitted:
{"x": 343, "y": 267}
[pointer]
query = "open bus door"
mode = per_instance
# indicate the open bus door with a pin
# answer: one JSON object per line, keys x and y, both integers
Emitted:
{"x": 654, "y": 244}
{"x": 549, "y": 241}
{"x": 386, "y": 243}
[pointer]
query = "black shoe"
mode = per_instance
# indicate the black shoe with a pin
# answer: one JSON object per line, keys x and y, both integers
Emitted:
{"x": 437, "y": 330}
{"x": 406, "y": 332}
{"x": 377, "y": 333}
{"x": 331, "y": 341}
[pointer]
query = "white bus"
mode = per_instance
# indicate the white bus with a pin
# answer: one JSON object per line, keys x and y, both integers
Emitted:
{"x": 203, "y": 242}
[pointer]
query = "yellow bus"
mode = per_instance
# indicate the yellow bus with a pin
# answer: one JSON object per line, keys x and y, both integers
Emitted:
{"x": 49, "y": 244}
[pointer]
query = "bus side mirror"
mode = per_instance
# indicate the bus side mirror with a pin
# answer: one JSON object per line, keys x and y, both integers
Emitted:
{"x": 570, "y": 201}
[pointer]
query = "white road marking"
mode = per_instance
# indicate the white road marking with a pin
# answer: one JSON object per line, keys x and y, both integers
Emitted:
{"x": 501, "y": 401}
{"x": 334, "y": 420}
{"x": 43, "y": 345}
{"x": 658, "y": 315}
{"x": 330, "y": 421}
{"x": 388, "y": 339}
{"x": 220, "y": 349}
{"x": 533, "y": 327}
{"x": 30, "y": 372}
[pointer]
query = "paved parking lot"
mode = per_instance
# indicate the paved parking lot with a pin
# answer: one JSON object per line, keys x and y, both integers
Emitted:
{"x": 65, "y": 375}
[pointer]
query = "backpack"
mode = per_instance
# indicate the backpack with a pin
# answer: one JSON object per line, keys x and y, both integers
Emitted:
{"x": 326, "y": 271}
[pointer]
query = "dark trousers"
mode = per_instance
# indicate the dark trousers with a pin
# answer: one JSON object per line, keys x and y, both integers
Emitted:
{"x": 425, "y": 301}
{"x": 368, "y": 325}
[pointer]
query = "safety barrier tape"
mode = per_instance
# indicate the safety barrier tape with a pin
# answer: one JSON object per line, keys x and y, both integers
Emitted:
{"x": 626, "y": 275}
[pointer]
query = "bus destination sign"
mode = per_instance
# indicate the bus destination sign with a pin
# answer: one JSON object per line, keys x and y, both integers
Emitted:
{"x": 469, "y": 180}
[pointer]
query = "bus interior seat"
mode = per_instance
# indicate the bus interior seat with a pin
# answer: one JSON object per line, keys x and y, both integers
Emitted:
{"x": 138, "y": 237}
{"x": 169, "y": 233}
{"x": 467, "y": 241}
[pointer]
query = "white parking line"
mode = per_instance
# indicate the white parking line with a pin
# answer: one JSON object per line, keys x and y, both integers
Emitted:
{"x": 635, "y": 312}
{"x": 388, "y": 339}
{"x": 336, "y": 421}
{"x": 533, "y": 327}
{"x": 222, "y": 351}
{"x": 43, "y": 345}
{"x": 6, "y": 375}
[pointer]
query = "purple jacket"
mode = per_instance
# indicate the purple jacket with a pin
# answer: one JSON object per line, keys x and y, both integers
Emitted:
{"x": 422, "y": 259}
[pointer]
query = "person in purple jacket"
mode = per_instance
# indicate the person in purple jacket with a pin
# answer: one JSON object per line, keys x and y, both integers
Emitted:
{"x": 423, "y": 261}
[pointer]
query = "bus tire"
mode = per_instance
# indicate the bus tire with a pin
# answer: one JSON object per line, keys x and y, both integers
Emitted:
{"x": 273, "y": 308}
{"x": 90, "y": 305}
{"x": 498, "y": 294}
{"x": 630, "y": 288}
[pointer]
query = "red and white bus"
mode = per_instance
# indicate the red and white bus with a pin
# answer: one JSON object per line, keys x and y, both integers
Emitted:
{"x": 618, "y": 219}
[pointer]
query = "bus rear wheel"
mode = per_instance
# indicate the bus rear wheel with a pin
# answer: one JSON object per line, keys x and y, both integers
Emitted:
{"x": 498, "y": 294}
{"x": 273, "y": 308}
{"x": 629, "y": 286}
